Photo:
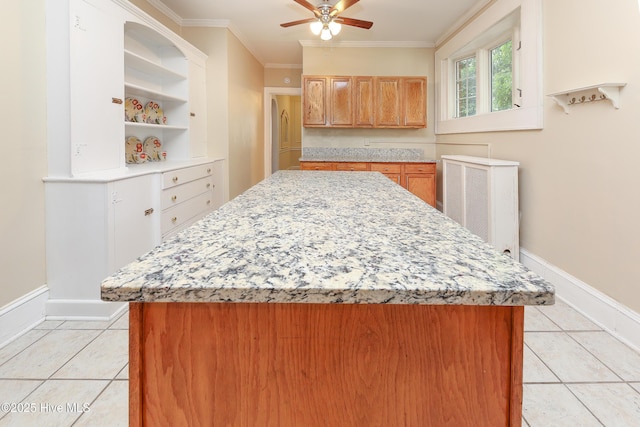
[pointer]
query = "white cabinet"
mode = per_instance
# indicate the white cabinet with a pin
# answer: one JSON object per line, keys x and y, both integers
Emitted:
{"x": 482, "y": 195}
{"x": 197, "y": 110}
{"x": 96, "y": 87}
{"x": 94, "y": 228}
{"x": 101, "y": 211}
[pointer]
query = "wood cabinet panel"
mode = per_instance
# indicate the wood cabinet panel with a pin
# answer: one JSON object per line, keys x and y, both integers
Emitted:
{"x": 302, "y": 364}
{"x": 341, "y": 101}
{"x": 414, "y": 102}
{"x": 364, "y": 106}
{"x": 315, "y": 101}
{"x": 387, "y": 102}
{"x": 423, "y": 186}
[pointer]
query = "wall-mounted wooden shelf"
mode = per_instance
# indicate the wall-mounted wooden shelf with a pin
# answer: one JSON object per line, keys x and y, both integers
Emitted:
{"x": 610, "y": 91}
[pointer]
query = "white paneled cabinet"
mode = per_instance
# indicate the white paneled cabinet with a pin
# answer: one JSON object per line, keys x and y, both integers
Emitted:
{"x": 102, "y": 212}
{"x": 96, "y": 87}
{"x": 482, "y": 195}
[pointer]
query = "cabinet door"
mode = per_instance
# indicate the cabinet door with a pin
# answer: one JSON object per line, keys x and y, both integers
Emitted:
{"x": 387, "y": 101}
{"x": 197, "y": 110}
{"x": 420, "y": 179}
{"x": 341, "y": 101}
{"x": 414, "y": 101}
{"x": 423, "y": 186}
{"x": 364, "y": 110}
{"x": 314, "y": 101}
{"x": 96, "y": 88}
{"x": 136, "y": 218}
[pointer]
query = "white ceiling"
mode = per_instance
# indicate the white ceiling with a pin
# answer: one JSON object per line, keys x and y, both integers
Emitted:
{"x": 418, "y": 23}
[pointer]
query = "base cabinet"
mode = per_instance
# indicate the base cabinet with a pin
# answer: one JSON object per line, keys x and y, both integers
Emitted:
{"x": 96, "y": 226}
{"x": 418, "y": 178}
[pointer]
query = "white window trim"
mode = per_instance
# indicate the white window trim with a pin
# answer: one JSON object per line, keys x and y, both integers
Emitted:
{"x": 529, "y": 114}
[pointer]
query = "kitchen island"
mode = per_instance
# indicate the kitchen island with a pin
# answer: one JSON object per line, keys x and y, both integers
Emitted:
{"x": 326, "y": 299}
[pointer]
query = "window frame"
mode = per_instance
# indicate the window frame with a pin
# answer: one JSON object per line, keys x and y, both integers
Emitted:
{"x": 478, "y": 36}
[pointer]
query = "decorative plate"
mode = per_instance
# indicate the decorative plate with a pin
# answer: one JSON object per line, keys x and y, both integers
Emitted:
{"x": 154, "y": 113}
{"x": 134, "y": 111}
{"x": 134, "y": 150}
{"x": 153, "y": 148}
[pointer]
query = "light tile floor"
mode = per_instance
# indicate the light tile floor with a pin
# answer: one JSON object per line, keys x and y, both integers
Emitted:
{"x": 75, "y": 374}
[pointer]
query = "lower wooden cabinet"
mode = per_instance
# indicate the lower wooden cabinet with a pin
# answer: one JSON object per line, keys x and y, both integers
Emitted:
{"x": 418, "y": 178}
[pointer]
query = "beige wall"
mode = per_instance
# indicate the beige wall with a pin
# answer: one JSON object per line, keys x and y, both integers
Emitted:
{"x": 275, "y": 77}
{"x": 579, "y": 175}
{"x": 234, "y": 105}
{"x": 246, "y": 116}
{"x": 23, "y": 146}
{"x": 213, "y": 42}
{"x": 349, "y": 61}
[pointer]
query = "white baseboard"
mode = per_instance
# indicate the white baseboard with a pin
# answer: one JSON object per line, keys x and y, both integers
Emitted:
{"x": 63, "y": 309}
{"x": 22, "y": 314}
{"x": 612, "y": 316}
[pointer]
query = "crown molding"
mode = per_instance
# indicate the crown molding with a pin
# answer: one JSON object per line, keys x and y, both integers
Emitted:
{"x": 287, "y": 66}
{"x": 215, "y": 23}
{"x": 158, "y": 4}
{"x": 363, "y": 44}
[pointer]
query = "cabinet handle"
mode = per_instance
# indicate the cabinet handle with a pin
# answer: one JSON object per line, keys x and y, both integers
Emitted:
{"x": 192, "y": 114}
{"x": 148, "y": 212}
{"x": 208, "y": 185}
{"x": 208, "y": 170}
{"x": 174, "y": 219}
{"x": 116, "y": 100}
{"x": 174, "y": 198}
{"x": 208, "y": 202}
{"x": 175, "y": 179}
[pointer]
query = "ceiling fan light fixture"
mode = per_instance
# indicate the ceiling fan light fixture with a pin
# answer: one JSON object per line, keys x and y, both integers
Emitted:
{"x": 316, "y": 27}
{"x": 335, "y": 28}
{"x": 326, "y": 34}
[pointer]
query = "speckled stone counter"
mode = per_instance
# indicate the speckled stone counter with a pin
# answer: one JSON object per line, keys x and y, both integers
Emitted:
{"x": 327, "y": 237}
{"x": 383, "y": 155}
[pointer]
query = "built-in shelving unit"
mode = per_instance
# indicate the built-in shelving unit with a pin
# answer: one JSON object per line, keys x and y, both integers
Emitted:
{"x": 599, "y": 92}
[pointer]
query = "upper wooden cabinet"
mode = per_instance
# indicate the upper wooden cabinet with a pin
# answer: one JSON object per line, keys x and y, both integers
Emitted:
{"x": 364, "y": 101}
{"x": 414, "y": 106}
{"x": 340, "y": 101}
{"x": 387, "y": 101}
{"x": 314, "y": 90}
{"x": 364, "y": 114}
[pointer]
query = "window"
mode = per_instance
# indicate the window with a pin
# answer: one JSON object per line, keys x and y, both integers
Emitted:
{"x": 489, "y": 72}
{"x": 501, "y": 60}
{"x": 466, "y": 87}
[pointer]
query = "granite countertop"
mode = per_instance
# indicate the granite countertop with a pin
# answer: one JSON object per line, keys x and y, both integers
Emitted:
{"x": 382, "y": 155}
{"x": 327, "y": 237}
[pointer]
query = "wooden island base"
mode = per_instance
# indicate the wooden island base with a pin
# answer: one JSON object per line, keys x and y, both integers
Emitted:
{"x": 281, "y": 365}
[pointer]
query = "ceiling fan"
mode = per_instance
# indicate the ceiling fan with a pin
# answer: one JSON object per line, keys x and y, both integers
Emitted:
{"x": 326, "y": 22}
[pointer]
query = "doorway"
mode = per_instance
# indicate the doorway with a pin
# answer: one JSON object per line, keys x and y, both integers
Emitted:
{"x": 283, "y": 129}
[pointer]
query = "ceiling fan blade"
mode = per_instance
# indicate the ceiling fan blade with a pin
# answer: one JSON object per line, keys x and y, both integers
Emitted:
{"x": 354, "y": 22}
{"x": 341, "y": 6}
{"x": 302, "y": 21}
{"x": 306, "y": 4}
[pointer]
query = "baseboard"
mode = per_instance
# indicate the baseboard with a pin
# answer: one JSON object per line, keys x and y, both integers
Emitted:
{"x": 63, "y": 309}
{"x": 612, "y": 316}
{"x": 22, "y": 314}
